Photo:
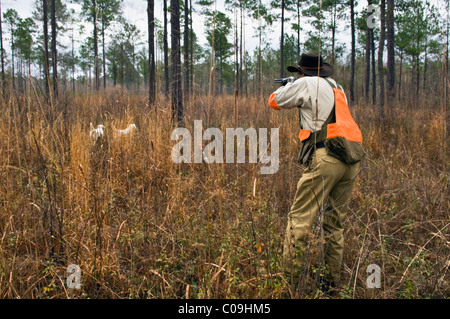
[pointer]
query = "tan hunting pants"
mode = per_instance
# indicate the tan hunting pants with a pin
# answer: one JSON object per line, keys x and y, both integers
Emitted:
{"x": 325, "y": 187}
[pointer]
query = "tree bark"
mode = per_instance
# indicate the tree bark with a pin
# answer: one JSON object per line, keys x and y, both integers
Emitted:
{"x": 367, "y": 75}
{"x": 425, "y": 69}
{"x": 166, "y": 50}
{"x": 400, "y": 75}
{"x": 54, "y": 51}
{"x": 282, "y": 41}
{"x": 353, "y": 51}
{"x": 2, "y": 53}
{"x": 298, "y": 30}
{"x": 374, "y": 76}
{"x": 103, "y": 54}
{"x": 390, "y": 50}
{"x": 380, "y": 59}
{"x": 177, "y": 93}
{"x": 96, "y": 71}
{"x": 333, "y": 35}
{"x": 186, "y": 49}
{"x": 191, "y": 43}
{"x": 151, "y": 53}
{"x": 240, "y": 47}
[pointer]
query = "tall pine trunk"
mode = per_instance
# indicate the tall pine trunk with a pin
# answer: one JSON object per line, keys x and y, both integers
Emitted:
{"x": 298, "y": 30}
{"x": 103, "y": 54}
{"x": 166, "y": 50}
{"x": 96, "y": 71}
{"x": 46, "y": 56}
{"x": 367, "y": 74}
{"x": 425, "y": 62}
{"x": 333, "y": 35}
{"x": 353, "y": 51}
{"x": 177, "y": 93}
{"x": 54, "y": 51}
{"x": 2, "y": 53}
{"x": 390, "y": 50}
{"x": 282, "y": 41}
{"x": 151, "y": 53}
{"x": 240, "y": 46}
{"x": 73, "y": 62}
{"x": 374, "y": 76}
{"x": 191, "y": 51}
{"x": 186, "y": 49}
{"x": 400, "y": 75}
{"x": 380, "y": 59}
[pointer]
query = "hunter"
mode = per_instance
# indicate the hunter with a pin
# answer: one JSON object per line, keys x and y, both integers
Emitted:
{"x": 331, "y": 148}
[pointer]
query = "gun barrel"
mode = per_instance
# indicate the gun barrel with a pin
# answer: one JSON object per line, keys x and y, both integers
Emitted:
{"x": 278, "y": 80}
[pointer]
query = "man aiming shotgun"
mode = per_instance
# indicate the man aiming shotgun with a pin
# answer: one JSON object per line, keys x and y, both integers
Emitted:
{"x": 331, "y": 148}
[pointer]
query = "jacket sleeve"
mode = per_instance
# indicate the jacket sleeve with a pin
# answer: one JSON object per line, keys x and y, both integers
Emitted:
{"x": 289, "y": 96}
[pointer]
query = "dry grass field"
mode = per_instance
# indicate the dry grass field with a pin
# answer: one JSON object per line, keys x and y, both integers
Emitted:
{"x": 140, "y": 226}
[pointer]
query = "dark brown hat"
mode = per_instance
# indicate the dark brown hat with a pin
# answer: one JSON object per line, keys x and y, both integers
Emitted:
{"x": 309, "y": 63}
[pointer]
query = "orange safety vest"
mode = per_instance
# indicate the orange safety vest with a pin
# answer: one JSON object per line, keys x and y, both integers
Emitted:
{"x": 342, "y": 139}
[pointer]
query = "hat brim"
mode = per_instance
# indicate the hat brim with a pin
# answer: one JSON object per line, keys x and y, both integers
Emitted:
{"x": 327, "y": 70}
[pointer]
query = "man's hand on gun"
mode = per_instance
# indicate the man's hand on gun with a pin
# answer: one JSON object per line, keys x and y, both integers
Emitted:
{"x": 285, "y": 81}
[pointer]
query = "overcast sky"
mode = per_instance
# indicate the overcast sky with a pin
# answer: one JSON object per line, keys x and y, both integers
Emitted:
{"x": 135, "y": 11}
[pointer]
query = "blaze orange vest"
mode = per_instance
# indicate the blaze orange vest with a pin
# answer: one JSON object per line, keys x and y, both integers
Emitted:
{"x": 342, "y": 138}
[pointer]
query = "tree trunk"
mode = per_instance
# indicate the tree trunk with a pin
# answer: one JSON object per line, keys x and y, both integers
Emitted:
{"x": 151, "y": 53}
{"x": 2, "y": 53}
{"x": 54, "y": 51}
{"x": 417, "y": 76}
{"x": 240, "y": 47}
{"x": 298, "y": 30}
{"x": 103, "y": 54}
{"x": 177, "y": 93}
{"x": 390, "y": 50}
{"x": 191, "y": 43}
{"x": 166, "y": 50}
{"x": 73, "y": 62}
{"x": 367, "y": 77}
{"x": 96, "y": 71}
{"x": 353, "y": 51}
{"x": 236, "y": 53}
{"x": 186, "y": 49}
{"x": 400, "y": 75}
{"x": 380, "y": 59}
{"x": 12, "y": 59}
{"x": 245, "y": 58}
{"x": 46, "y": 56}
{"x": 282, "y": 41}
{"x": 333, "y": 35}
{"x": 425, "y": 70}
{"x": 374, "y": 76}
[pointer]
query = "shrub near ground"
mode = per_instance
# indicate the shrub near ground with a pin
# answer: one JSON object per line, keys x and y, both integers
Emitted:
{"x": 140, "y": 226}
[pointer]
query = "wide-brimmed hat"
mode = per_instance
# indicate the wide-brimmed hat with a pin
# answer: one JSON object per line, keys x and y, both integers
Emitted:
{"x": 310, "y": 64}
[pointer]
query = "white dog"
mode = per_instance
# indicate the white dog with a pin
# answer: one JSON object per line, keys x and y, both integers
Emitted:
{"x": 128, "y": 131}
{"x": 98, "y": 132}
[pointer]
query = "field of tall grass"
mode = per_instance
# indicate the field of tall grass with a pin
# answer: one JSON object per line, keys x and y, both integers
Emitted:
{"x": 140, "y": 226}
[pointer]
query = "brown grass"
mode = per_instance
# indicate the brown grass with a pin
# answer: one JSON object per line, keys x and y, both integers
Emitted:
{"x": 141, "y": 226}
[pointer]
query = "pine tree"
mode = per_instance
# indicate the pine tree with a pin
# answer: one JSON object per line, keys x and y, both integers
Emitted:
{"x": 380, "y": 59}
{"x": 353, "y": 50}
{"x": 177, "y": 93}
{"x": 166, "y": 50}
{"x": 151, "y": 53}
{"x": 2, "y": 52}
{"x": 54, "y": 50}
{"x": 390, "y": 50}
